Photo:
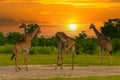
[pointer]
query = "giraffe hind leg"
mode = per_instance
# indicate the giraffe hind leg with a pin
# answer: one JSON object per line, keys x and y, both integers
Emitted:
{"x": 110, "y": 60}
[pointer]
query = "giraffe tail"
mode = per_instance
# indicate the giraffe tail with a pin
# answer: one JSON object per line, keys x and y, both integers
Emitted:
{"x": 12, "y": 56}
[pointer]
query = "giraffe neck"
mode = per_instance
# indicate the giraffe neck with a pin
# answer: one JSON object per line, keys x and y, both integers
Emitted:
{"x": 98, "y": 34}
{"x": 30, "y": 36}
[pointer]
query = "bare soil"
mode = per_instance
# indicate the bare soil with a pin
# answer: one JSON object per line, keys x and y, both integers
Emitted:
{"x": 48, "y": 71}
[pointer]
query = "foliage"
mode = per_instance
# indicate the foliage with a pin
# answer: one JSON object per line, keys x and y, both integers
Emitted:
{"x": 43, "y": 50}
{"x": 82, "y": 35}
{"x": 31, "y": 27}
{"x": 2, "y": 39}
{"x": 13, "y": 37}
{"x": 88, "y": 46}
{"x": 6, "y": 49}
{"x": 45, "y": 42}
{"x": 111, "y": 28}
{"x": 116, "y": 45}
{"x": 85, "y": 45}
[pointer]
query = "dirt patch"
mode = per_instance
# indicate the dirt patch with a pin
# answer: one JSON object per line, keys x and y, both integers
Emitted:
{"x": 45, "y": 71}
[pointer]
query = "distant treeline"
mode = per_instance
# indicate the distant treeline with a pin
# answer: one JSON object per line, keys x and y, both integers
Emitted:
{"x": 84, "y": 45}
{"x": 44, "y": 45}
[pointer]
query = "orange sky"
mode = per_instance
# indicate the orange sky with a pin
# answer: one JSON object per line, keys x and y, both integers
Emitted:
{"x": 56, "y": 15}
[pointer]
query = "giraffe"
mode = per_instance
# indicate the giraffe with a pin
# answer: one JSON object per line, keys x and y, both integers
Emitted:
{"x": 24, "y": 26}
{"x": 104, "y": 44}
{"x": 23, "y": 46}
{"x": 64, "y": 42}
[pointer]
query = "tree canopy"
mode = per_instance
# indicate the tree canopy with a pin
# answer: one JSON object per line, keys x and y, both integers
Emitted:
{"x": 111, "y": 28}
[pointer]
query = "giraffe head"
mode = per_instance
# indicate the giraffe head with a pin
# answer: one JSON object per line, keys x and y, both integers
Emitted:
{"x": 23, "y": 25}
{"x": 91, "y": 26}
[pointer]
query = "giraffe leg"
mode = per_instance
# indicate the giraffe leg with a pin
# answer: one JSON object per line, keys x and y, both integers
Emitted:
{"x": 17, "y": 68}
{"x": 61, "y": 61}
{"x": 26, "y": 61}
{"x": 58, "y": 57}
{"x": 73, "y": 50}
{"x": 110, "y": 60}
{"x": 100, "y": 55}
{"x": 23, "y": 62}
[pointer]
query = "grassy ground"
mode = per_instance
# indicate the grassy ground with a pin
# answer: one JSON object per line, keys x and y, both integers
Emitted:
{"x": 90, "y": 78}
{"x": 81, "y": 60}
{"x": 82, "y": 78}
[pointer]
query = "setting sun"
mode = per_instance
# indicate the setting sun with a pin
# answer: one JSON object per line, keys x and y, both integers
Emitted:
{"x": 72, "y": 27}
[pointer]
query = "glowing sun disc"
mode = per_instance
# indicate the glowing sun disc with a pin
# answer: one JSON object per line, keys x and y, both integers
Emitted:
{"x": 72, "y": 27}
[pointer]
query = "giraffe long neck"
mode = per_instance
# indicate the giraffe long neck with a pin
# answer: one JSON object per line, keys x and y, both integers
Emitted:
{"x": 98, "y": 34}
{"x": 25, "y": 30}
{"x": 32, "y": 34}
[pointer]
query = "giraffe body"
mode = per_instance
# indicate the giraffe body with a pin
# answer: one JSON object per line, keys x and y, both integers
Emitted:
{"x": 23, "y": 46}
{"x": 64, "y": 43}
{"x": 103, "y": 42}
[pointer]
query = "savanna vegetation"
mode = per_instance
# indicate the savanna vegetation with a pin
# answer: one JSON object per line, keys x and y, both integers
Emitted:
{"x": 84, "y": 45}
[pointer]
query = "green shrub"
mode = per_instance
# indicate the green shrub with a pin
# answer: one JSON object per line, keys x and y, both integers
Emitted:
{"x": 43, "y": 50}
{"x": 7, "y": 48}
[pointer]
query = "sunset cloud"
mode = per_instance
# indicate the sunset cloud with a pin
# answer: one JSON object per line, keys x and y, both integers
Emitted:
{"x": 77, "y": 3}
{"x": 14, "y": 22}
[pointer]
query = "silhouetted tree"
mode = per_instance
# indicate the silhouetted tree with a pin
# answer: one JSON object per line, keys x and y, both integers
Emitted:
{"x": 111, "y": 28}
{"x": 82, "y": 35}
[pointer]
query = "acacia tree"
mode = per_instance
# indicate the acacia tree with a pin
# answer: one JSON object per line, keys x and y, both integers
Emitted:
{"x": 111, "y": 28}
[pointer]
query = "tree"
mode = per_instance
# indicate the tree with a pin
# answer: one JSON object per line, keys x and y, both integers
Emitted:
{"x": 13, "y": 37}
{"x": 80, "y": 38}
{"x": 31, "y": 27}
{"x": 111, "y": 28}
{"x": 82, "y": 35}
{"x": 2, "y": 39}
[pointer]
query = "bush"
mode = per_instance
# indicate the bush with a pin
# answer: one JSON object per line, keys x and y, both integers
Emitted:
{"x": 6, "y": 48}
{"x": 116, "y": 45}
{"x": 43, "y": 50}
{"x": 86, "y": 46}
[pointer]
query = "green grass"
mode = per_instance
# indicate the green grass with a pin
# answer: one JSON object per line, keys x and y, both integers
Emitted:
{"x": 117, "y": 77}
{"x": 80, "y": 60}
{"x": 89, "y": 78}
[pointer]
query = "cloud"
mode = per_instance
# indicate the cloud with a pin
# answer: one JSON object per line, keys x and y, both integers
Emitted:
{"x": 8, "y": 22}
{"x": 118, "y": 1}
{"x": 16, "y": 22}
{"x": 13, "y": 22}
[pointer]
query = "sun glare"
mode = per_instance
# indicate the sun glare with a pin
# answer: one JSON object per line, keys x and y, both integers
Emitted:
{"x": 72, "y": 27}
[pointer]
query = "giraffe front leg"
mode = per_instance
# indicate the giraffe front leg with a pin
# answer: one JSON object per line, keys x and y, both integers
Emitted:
{"x": 61, "y": 61}
{"x": 58, "y": 59}
{"x": 17, "y": 68}
{"x": 26, "y": 62}
{"x": 110, "y": 60}
{"x": 100, "y": 56}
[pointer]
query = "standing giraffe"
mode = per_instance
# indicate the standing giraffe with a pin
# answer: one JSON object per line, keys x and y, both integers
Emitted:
{"x": 23, "y": 46}
{"x": 23, "y": 25}
{"x": 103, "y": 43}
{"x": 64, "y": 42}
